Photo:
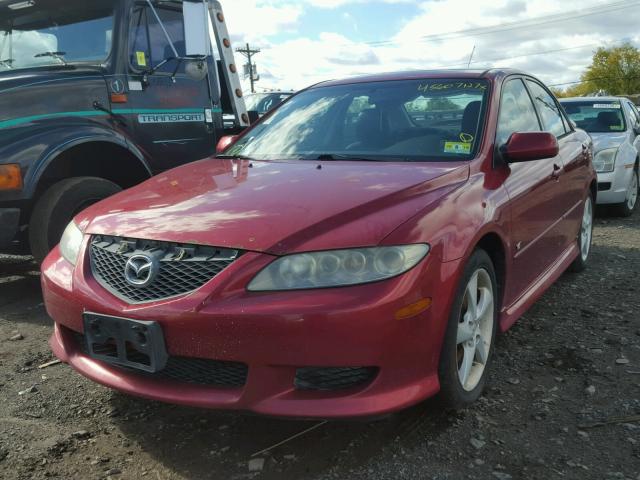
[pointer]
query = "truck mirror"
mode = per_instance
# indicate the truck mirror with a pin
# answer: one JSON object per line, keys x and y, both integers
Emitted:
{"x": 195, "y": 69}
{"x": 196, "y": 28}
{"x": 254, "y": 116}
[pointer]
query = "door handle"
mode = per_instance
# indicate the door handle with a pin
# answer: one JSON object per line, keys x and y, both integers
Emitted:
{"x": 556, "y": 171}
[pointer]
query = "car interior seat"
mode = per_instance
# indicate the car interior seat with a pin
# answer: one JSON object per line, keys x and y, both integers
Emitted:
{"x": 470, "y": 118}
{"x": 606, "y": 120}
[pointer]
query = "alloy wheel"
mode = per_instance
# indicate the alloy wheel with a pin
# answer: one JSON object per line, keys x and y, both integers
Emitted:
{"x": 475, "y": 329}
{"x": 632, "y": 192}
{"x": 586, "y": 230}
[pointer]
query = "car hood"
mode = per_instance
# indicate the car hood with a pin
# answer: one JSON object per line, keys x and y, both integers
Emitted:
{"x": 275, "y": 207}
{"x": 602, "y": 141}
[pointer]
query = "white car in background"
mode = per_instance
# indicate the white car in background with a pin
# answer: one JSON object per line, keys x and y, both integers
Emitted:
{"x": 614, "y": 125}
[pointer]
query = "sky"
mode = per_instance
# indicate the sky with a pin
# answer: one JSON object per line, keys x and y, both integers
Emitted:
{"x": 307, "y": 41}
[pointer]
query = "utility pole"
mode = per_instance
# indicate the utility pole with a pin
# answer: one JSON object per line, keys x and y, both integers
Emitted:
{"x": 249, "y": 53}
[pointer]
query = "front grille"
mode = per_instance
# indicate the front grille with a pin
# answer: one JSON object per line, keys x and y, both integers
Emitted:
{"x": 333, "y": 378}
{"x": 177, "y": 269}
{"x": 198, "y": 371}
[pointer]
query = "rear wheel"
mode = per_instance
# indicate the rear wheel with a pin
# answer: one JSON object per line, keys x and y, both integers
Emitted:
{"x": 585, "y": 236}
{"x": 627, "y": 208}
{"x": 468, "y": 342}
{"x": 58, "y": 205}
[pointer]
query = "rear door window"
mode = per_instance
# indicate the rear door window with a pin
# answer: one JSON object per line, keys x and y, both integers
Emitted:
{"x": 633, "y": 118}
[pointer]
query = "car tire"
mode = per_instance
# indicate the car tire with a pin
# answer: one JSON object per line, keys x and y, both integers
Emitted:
{"x": 585, "y": 236}
{"x": 626, "y": 208}
{"x": 58, "y": 205}
{"x": 465, "y": 334}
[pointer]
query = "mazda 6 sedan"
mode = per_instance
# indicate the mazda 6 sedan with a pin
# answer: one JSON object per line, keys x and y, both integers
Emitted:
{"x": 353, "y": 253}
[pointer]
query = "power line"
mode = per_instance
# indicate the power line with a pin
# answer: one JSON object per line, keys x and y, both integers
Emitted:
{"x": 545, "y": 52}
{"x": 635, "y": 77}
{"x": 531, "y": 22}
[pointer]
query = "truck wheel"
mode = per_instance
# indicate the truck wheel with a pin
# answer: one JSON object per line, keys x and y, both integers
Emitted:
{"x": 58, "y": 205}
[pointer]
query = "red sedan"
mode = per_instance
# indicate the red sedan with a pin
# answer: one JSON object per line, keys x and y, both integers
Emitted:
{"x": 352, "y": 254}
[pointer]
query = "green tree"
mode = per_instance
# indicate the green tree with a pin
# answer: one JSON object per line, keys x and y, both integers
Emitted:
{"x": 577, "y": 90}
{"x": 615, "y": 70}
{"x": 441, "y": 103}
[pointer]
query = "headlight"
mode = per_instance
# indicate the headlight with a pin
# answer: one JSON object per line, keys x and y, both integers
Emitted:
{"x": 605, "y": 160}
{"x": 70, "y": 243}
{"x": 337, "y": 268}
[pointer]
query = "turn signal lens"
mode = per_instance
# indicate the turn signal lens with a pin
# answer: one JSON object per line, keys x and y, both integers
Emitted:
{"x": 10, "y": 177}
{"x": 413, "y": 309}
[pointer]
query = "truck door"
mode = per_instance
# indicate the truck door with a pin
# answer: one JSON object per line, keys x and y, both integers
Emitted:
{"x": 171, "y": 113}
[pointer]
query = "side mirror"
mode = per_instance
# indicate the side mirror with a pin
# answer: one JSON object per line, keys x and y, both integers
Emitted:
{"x": 196, "y": 69}
{"x": 636, "y": 130}
{"x": 196, "y": 21}
{"x": 527, "y": 146}
{"x": 225, "y": 142}
{"x": 573, "y": 124}
{"x": 254, "y": 116}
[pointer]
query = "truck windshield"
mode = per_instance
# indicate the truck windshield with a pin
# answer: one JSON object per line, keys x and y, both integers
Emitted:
{"x": 263, "y": 102}
{"x": 406, "y": 120}
{"x": 596, "y": 116}
{"x": 54, "y": 32}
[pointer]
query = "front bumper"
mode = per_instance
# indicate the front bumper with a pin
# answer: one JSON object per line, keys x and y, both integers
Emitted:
{"x": 274, "y": 334}
{"x": 9, "y": 225}
{"x": 613, "y": 186}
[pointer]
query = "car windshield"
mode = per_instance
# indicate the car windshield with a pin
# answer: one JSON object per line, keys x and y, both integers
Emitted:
{"x": 55, "y": 32}
{"x": 263, "y": 102}
{"x": 407, "y": 120}
{"x": 596, "y": 116}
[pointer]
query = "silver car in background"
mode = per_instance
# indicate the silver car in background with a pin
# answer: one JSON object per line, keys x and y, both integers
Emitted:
{"x": 614, "y": 125}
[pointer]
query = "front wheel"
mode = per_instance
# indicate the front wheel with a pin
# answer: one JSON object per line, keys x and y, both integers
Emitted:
{"x": 471, "y": 331}
{"x": 627, "y": 207}
{"x": 58, "y": 205}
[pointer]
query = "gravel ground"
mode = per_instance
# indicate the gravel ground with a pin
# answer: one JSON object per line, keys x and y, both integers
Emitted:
{"x": 563, "y": 402}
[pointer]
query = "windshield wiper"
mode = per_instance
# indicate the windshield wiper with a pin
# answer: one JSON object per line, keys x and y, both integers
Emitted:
{"x": 234, "y": 157}
{"x": 56, "y": 55}
{"x": 334, "y": 157}
{"x": 7, "y": 62}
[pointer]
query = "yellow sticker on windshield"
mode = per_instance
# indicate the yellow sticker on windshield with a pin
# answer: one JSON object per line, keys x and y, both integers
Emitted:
{"x": 462, "y": 148}
{"x": 141, "y": 59}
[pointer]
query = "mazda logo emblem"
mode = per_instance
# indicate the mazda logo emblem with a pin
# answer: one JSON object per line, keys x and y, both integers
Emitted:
{"x": 140, "y": 270}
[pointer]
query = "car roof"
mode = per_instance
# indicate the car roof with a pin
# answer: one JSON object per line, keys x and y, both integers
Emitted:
{"x": 591, "y": 99}
{"x": 424, "y": 74}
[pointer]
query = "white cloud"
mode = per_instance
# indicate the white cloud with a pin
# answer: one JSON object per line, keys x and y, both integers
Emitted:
{"x": 303, "y": 61}
{"x": 256, "y": 20}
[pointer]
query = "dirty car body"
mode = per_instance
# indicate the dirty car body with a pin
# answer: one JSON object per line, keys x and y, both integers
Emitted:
{"x": 312, "y": 269}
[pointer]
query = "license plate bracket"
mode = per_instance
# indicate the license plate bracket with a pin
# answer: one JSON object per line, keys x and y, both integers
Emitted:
{"x": 134, "y": 344}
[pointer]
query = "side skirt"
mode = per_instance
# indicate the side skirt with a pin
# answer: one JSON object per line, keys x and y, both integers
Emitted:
{"x": 509, "y": 315}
